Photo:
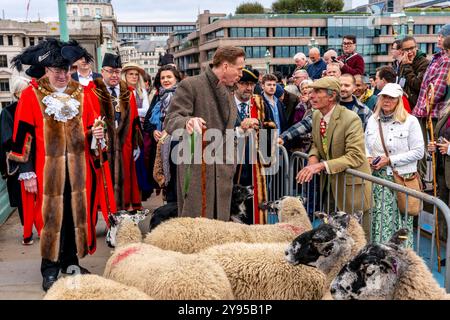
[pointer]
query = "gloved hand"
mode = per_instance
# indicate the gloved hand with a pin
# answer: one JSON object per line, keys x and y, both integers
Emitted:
{"x": 136, "y": 153}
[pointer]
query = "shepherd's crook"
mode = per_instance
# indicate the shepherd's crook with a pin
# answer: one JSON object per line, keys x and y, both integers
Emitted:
{"x": 430, "y": 105}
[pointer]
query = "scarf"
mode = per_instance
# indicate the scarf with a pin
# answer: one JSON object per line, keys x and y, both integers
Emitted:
{"x": 366, "y": 95}
{"x": 386, "y": 117}
{"x": 165, "y": 96}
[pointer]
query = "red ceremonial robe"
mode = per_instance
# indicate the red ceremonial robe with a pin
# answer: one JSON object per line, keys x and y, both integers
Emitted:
{"x": 121, "y": 143}
{"x": 51, "y": 148}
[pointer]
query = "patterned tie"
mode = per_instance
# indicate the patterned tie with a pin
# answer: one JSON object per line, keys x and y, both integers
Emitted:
{"x": 243, "y": 111}
{"x": 115, "y": 103}
{"x": 323, "y": 134}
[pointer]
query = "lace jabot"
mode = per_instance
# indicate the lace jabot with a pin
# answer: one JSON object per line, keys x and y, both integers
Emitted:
{"x": 61, "y": 106}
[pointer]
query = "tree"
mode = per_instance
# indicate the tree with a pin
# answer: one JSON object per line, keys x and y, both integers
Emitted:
{"x": 249, "y": 8}
{"x": 333, "y": 5}
{"x": 294, "y": 6}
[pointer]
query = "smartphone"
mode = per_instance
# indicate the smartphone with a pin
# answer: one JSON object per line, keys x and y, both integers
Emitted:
{"x": 441, "y": 140}
{"x": 376, "y": 160}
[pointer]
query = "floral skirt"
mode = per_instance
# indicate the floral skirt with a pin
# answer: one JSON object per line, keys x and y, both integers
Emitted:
{"x": 386, "y": 218}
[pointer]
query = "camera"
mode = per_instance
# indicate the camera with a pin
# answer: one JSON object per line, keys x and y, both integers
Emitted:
{"x": 441, "y": 140}
{"x": 334, "y": 59}
{"x": 376, "y": 160}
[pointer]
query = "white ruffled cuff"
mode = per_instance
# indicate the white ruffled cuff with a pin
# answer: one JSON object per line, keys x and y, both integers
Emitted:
{"x": 26, "y": 176}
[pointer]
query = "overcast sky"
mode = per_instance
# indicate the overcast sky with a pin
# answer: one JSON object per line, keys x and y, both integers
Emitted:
{"x": 131, "y": 10}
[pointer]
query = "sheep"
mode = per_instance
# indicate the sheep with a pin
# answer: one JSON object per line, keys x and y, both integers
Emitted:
{"x": 168, "y": 275}
{"x": 191, "y": 235}
{"x": 258, "y": 271}
{"x": 387, "y": 272}
{"x": 115, "y": 221}
{"x": 329, "y": 246}
{"x": 92, "y": 287}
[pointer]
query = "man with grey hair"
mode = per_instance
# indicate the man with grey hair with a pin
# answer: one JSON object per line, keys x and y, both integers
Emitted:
{"x": 333, "y": 70}
{"x": 338, "y": 140}
{"x": 299, "y": 76}
{"x": 317, "y": 66}
{"x": 329, "y": 55}
{"x": 301, "y": 61}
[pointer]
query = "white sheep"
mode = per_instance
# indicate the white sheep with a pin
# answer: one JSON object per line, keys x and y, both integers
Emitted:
{"x": 168, "y": 275}
{"x": 329, "y": 246}
{"x": 191, "y": 235}
{"x": 258, "y": 271}
{"x": 387, "y": 272}
{"x": 92, "y": 287}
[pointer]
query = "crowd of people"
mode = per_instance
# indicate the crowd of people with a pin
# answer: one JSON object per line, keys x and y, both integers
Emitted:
{"x": 75, "y": 144}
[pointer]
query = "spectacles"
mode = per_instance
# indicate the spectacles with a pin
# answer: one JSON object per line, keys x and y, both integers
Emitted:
{"x": 347, "y": 43}
{"x": 409, "y": 49}
{"x": 59, "y": 71}
{"x": 116, "y": 72}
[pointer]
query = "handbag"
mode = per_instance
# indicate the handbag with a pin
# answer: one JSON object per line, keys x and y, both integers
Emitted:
{"x": 413, "y": 182}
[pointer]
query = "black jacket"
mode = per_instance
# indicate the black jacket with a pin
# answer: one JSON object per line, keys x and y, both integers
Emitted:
{"x": 95, "y": 75}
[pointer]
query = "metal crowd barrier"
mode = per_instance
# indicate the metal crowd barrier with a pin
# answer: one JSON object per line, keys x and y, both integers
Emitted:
{"x": 315, "y": 202}
{"x": 277, "y": 182}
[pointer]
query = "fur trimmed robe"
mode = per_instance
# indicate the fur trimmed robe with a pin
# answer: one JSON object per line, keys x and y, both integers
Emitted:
{"x": 258, "y": 111}
{"x": 121, "y": 143}
{"x": 51, "y": 148}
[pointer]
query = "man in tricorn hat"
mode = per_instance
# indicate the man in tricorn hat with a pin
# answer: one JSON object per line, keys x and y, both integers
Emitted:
{"x": 118, "y": 107}
{"x": 54, "y": 123}
{"x": 252, "y": 114}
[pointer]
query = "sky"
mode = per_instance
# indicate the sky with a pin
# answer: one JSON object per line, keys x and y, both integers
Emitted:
{"x": 131, "y": 11}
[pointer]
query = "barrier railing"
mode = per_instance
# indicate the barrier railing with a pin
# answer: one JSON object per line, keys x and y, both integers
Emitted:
{"x": 313, "y": 196}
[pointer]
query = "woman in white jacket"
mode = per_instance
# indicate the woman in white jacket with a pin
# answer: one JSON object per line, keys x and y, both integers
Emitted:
{"x": 404, "y": 147}
{"x": 133, "y": 75}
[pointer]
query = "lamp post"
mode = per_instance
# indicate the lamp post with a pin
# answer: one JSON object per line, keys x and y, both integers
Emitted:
{"x": 62, "y": 12}
{"x": 312, "y": 43}
{"x": 109, "y": 46}
{"x": 99, "y": 47}
{"x": 267, "y": 58}
{"x": 403, "y": 28}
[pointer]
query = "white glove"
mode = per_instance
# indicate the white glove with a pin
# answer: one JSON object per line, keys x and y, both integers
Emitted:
{"x": 136, "y": 153}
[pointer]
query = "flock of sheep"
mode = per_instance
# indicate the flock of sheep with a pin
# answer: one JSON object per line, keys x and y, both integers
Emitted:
{"x": 202, "y": 259}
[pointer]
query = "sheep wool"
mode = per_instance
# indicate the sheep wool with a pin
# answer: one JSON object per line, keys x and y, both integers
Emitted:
{"x": 191, "y": 235}
{"x": 259, "y": 271}
{"x": 167, "y": 275}
{"x": 92, "y": 287}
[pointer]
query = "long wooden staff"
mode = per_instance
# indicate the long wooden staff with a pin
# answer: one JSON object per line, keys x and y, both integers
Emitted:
{"x": 102, "y": 167}
{"x": 430, "y": 104}
{"x": 203, "y": 174}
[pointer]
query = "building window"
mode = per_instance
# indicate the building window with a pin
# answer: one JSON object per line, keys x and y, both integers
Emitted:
{"x": 86, "y": 12}
{"x": 98, "y": 11}
{"x": 10, "y": 40}
{"x": 423, "y": 47}
{"x": 289, "y": 51}
{"x": 255, "y": 52}
{"x": 248, "y": 32}
{"x": 1, "y": 39}
{"x": 292, "y": 32}
{"x": 3, "y": 61}
{"x": 420, "y": 29}
{"x": 31, "y": 41}
{"x": 24, "y": 42}
{"x": 75, "y": 12}
{"x": 4, "y": 85}
{"x": 437, "y": 28}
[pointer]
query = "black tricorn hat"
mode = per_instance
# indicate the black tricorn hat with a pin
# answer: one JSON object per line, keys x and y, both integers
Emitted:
{"x": 112, "y": 60}
{"x": 249, "y": 75}
{"x": 50, "y": 53}
{"x": 35, "y": 72}
{"x": 165, "y": 60}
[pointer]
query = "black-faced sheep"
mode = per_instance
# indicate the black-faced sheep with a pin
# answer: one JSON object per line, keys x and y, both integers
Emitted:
{"x": 387, "y": 272}
{"x": 258, "y": 271}
{"x": 329, "y": 246}
{"x": 92, "y": 287}
{"x": 191, "y": 235}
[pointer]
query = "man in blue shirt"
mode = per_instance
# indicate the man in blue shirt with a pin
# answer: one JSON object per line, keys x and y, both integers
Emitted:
{"x": 317, "y": 66}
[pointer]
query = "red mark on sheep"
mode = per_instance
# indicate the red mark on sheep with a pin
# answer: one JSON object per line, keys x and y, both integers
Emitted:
{"x": 289, "y": 227}
{"x": 123, "y": 255}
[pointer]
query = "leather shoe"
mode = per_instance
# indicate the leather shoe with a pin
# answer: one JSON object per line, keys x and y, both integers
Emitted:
{"x": 47, "y": 282}
{"x": 74, "y": 269}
